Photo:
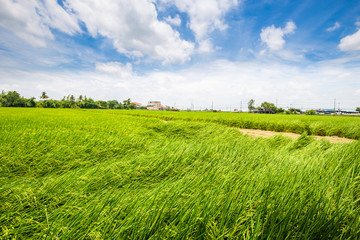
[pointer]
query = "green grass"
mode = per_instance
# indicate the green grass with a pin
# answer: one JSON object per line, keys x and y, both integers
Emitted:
{"x": 322, "y": 125}
{"x": 92, "y": 174}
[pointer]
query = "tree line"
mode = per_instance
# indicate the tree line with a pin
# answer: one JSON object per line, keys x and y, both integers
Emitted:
{"x": 13, "y": 99}
{"x": 267, "y": 107}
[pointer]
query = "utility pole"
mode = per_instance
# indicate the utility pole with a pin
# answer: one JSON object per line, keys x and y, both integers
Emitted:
{"x": 212, "y": 105}
{"x": 240, "y": 106}
{"x": 334, "y": 104}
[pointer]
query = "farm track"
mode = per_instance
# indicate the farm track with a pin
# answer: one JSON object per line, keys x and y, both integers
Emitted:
{"x": 265, "y": 133}
{"x": 335, "y": 129}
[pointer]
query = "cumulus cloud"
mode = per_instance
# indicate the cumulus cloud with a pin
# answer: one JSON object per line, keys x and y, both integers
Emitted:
{"x": 57, "y": 17}
{"x": 351, "y": 42}
{"x": 205, "y": 46}
{"x": 175, "y": 21}
{"x": 274, "y": 37}
{"x": 116, "y": 69}
{"x": 333, "y": 28}
{"x": 132, "y": 26}
{"x": 205, "y": 15}
{"x": 224, "y": 82}
{"x": 31, "y": 20}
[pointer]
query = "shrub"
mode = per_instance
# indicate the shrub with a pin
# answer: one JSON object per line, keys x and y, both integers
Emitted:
{"x": 310, "y": 112}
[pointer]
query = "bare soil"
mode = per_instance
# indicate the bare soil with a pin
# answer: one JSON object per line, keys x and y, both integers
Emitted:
{"x": 263, "y": 133}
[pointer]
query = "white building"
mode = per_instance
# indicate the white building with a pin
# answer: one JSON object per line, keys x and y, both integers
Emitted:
{"x": 154, "y": 105}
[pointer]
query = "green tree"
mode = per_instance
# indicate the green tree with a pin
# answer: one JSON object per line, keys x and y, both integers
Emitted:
{"x": 44, "y": 96}
{"x": 120, "y": 106}
{"x": 20, "y": 102}
{"x": 132, "y": 106}
{"x": 31, "y": 102}
{"x": 51, "y": 104}
{"x": 126, "y": 103}
{"x": 89, "y": 103}
{"x": 102, "y": 104}
{"x": 358, "y": 109}
{"x": 310, "y": 112}
{"x": 293, "y": 110}
{"x": 280, "y": 110}
{"x": 269, "y": 107}
{"x": 3, "y": 99}
{"x": 11, "y": 99}
{"x": 112, "y": 104}
{"x": 251, "y": 105}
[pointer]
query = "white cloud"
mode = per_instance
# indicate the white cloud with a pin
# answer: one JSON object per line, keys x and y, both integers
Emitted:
{"x": 31, "y": 20}
{"x": 22, "y": 19}
{"x": 205, "y": 46}
{"x": 351, "y": 42}
{"x": 357, "y": 92}
{"x": 134, "y": 28}
{"x": 224, "y": 82}
{"x": 274, "y": 37}
{"x": 57, "y": 17}
{"x": 205, "y": 15}
{"x": 176, "y": 21}
{"x": 333, "y": 28}
{"x": 289, "y": 55}
{"x": 116, "y": 69}
{"x": 289, "y": 28}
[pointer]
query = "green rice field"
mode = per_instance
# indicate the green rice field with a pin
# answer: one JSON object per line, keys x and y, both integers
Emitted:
{"x": 321, "y": 125}
{"x": 117, "y": 174}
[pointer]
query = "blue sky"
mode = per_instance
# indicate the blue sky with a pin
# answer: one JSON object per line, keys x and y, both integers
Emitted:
{"x": 299, "y": 54}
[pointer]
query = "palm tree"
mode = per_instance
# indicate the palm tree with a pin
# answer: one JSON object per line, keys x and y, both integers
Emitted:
{"x": 44, "y": 96}
{"x": 251, "y": 104}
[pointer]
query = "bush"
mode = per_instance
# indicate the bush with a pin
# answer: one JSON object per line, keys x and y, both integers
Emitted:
{"x": 310, "y": 112}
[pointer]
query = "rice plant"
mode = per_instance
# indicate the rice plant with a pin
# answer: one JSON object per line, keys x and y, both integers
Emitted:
{"x": 322, "y": 125}
{"x": 91, "y": 174}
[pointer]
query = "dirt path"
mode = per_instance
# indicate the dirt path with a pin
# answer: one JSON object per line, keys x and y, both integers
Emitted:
{"x": 263, "y": 133}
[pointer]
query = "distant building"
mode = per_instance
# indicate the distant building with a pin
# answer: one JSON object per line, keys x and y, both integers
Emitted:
{"x": 138, "y": 105}
{"x": 263, "y": 110}
{"x": 324, "y": 111}
{"x": 154, "y": 105}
